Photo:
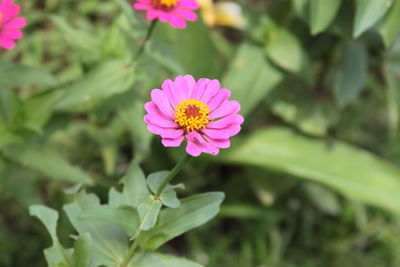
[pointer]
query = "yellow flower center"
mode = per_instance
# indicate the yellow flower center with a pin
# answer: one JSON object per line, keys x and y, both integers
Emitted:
{"x": 192, "y": 114}
{"x": 164, "y": 4}
{"x": 1, "y": 18}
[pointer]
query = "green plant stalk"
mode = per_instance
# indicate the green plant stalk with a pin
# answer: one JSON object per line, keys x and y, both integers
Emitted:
{"x": 137, "y": 237}
{"x": 147, "y": 38}
{"x": 178, "y": 167}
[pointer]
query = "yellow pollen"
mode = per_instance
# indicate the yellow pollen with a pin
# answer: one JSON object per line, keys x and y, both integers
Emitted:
{"x": 192, "y": 115}
{"x": 164, "y": 4}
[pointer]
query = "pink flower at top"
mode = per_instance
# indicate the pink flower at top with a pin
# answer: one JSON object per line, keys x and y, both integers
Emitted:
{"x": 199, "y": 112}
{"x": 10, "y": 24}
{"x": 172, "y": 11}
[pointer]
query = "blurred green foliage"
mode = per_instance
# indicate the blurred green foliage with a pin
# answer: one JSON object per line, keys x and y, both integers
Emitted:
{"x": 312, "y": 180}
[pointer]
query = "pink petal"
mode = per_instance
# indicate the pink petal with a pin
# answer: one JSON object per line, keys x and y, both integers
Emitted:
{"x": 225, "y": 133}
{"x": 11, "y": 12}
{"x": 186, "y": 14}
{"x": 176, "y": 21}
{"x": 190, "y": 4}
{"x": 196, "y": 145}
{"x": 159, "y": 121}
{"x": 225, "y": 122}
{"x": 190, "y": 81}
{"x": 168, "y": 142}
{"x": 164, "y": 132}
{"x": 153, "y": 14}
{"x": 211, "y": 90}
{"x": 220, "y": 143}
{"x": 6, "y": 43}
{"x": 198, "y": 90}
{"x": 15, "y": 23}
{"x": 163, "y": 16}
{"x": 169, "y": 92}
{"x": 193, "y": 149}
{"x": 141, "y": 6}
{"x": 161, "y": 100}
{"x": 225, "y": 109}
{"x": 219, "y": 98}
{"x": 12, "y": 34}
{"x": 182, "y": 85}
{"x": 145, "y": 1}
{"x": 152, "y": 109}
{"x": 5, "y": 4}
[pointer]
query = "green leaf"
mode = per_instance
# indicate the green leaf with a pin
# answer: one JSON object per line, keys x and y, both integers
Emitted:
{"x": 351, "y": 74}
{"x": 323, "y": 198}
{"x": 389, "y": 28}
{"x": 137, "y": 25}
{"x": 13, "y": 75}
{"x": 294, "y": 103}
{"x": 85, "y": 43}
{"x": 172, "y": 261}
{"x": 163, "y": 54}
{"x": 125, "y": 217}
{"x": 353, "y": 172}
{"x": 38, "y": 109}
{"x": 56, "y": 255}
{"x": 114, "y": 44}
{"x": 135, "y": 188}
{"x": 6, "y": 137}
{"x": 150, "y": 259}
{"x": 250, "y": 77}
{"x": 110, "y": 78}
{"x": 81, "y": 255}
{"x": 148, "y": 211}
{"x": 46, "y": 161}
{"x": 131, "y": 111}
{"x": 168, "y": 196}
{"x": 393, "y": 98}
{"x": 368, "y": 12}
{"x": 109, "y": 242}
{"x": 193, "y": 212}
{"x": 194, "y": 44}
{"x": 11, "y": 108}
{"x": 322, "y": 14}
{"x": 284, "y": 49}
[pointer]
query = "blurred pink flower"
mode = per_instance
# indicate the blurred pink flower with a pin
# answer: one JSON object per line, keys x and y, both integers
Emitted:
{"x": 10, "y": 24}
{"x": 172, "y": 11}
{"x": 199, "y": 112}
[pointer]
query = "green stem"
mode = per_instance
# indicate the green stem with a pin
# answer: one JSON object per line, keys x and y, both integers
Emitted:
{"x": 137, "y": 237}
{"x": 178, "y": 167}
{"x": 147, "y": 38}
{"x": 132, "y": 249}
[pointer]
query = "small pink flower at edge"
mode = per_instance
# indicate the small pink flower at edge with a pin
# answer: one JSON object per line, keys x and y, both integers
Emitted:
{"x": 10, "y": 24}
{"x": 196, "y": 111}
{"x": 175, "y": 12}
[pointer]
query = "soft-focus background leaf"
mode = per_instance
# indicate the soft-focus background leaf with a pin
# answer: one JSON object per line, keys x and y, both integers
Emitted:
{"x": 353, "y": 172}
{"x": 368, "y": 12}
{"x": 322, "y": 13}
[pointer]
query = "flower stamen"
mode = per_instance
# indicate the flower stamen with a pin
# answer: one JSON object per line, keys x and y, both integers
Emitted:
{"x": 192, "y": 115}
{"x": 164, "y": 4}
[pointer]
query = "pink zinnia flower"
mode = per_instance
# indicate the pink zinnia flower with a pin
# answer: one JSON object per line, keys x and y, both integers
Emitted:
{"x": 199, "y": 112}
{"x": 172, "y": 11}
{"x": 10, "y": 24}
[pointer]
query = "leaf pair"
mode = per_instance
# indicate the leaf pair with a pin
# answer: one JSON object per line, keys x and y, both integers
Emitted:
{"x": 104, "y": 230}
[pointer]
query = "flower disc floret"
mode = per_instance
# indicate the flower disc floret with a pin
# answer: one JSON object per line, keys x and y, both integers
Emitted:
{"x": 192, "y": 115}
{"x": 164, "y": 4}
